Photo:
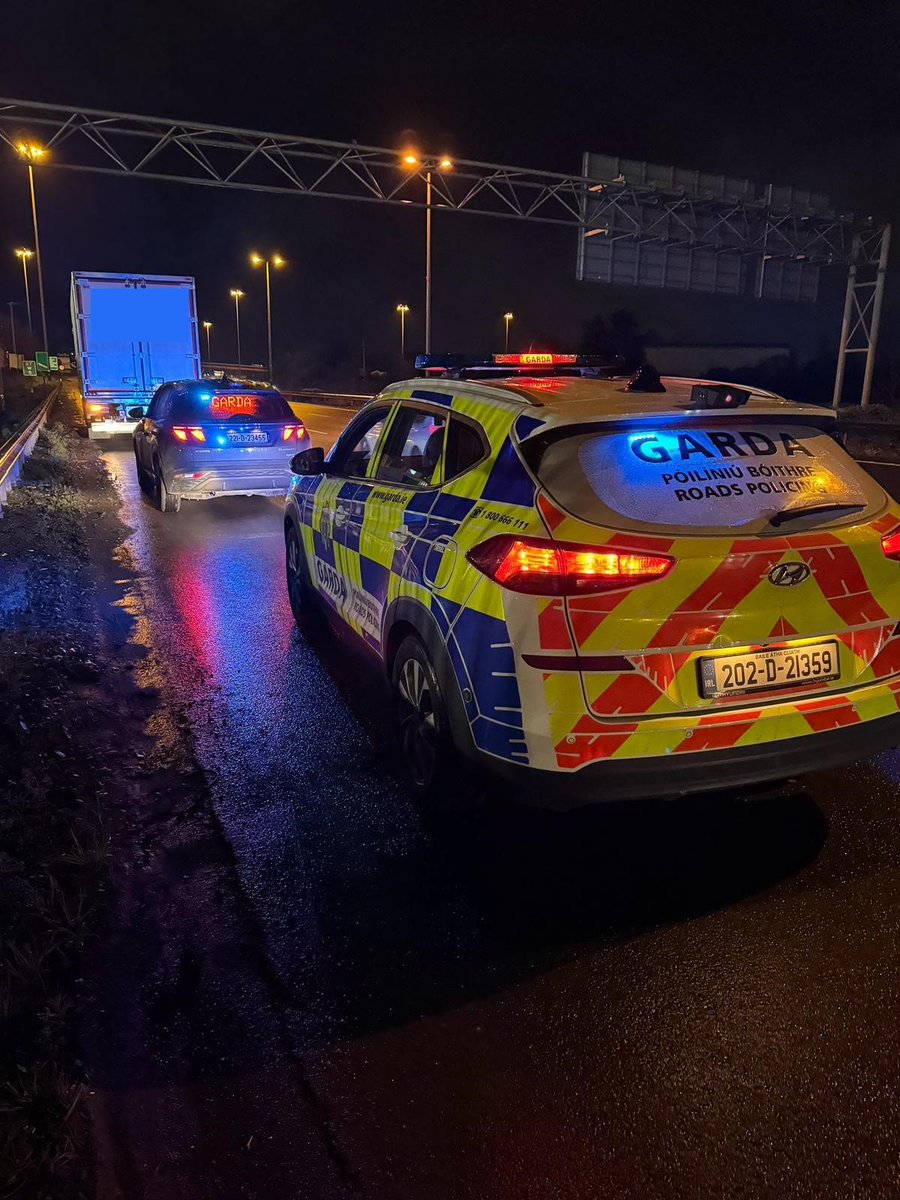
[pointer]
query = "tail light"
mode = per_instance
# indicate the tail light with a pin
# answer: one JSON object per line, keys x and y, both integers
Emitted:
{"x": 890, "y": 544}
{"x": 292, "y": 433}
{"x": 96, "y": 411}
{"x": 186, "y": 433}
{"x": 547, "y": 568}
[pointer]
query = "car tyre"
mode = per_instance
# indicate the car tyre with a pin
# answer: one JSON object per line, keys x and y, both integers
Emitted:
{"x": 143, "y": 481}
{"x": 300, "y": 592}
{"x": 165, "y": 501}
{"x": 431, "y": 761}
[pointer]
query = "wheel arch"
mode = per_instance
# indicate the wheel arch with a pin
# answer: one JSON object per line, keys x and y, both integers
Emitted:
{"x": 406, "y": 616}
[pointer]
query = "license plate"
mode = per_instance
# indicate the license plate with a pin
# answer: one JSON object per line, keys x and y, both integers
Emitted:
{"x": 761, "y": 670}
{"x": 249, "y": 439}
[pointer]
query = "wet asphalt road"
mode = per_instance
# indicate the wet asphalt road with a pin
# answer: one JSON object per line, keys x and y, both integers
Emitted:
{"x": 690, "y": 999}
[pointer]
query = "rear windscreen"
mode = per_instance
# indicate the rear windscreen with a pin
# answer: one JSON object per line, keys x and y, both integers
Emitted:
{"x": 231, "y": 407}
{"x": 710, "y": 477}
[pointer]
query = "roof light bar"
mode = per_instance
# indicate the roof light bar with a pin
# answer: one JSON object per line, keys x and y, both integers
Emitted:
{"x": 535, "y": 359}
{"x": 530, "y": 361}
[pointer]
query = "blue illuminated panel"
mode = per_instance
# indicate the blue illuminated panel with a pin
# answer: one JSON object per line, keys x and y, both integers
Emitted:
{"x": 134, "y": 333}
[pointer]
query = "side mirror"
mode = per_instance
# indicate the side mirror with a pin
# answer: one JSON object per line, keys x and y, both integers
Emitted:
{"x": 309, "y": 462}
{"x": 134, "y": 414}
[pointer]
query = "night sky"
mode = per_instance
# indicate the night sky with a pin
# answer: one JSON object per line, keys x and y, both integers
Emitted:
{"x": 799, "y": 94}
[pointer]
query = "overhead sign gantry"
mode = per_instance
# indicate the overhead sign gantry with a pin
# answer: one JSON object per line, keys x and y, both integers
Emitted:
{"x": 125, "y": 144}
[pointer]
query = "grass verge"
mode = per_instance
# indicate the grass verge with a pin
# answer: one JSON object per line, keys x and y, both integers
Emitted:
{"x": 53, "y": 845}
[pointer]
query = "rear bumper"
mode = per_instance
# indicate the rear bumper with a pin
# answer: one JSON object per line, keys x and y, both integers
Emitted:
{"x": 698, "y": 771}
{"x": 230, "y": 481}
{"x": 108, "y": 429}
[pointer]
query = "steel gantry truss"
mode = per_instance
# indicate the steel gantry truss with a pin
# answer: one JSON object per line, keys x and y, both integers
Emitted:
{"x": 862, "y": 307}
{"x": 159, "y": 148}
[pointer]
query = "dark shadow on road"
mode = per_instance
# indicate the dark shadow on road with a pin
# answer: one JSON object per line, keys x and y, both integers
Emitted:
{"x": 538, "y": 887}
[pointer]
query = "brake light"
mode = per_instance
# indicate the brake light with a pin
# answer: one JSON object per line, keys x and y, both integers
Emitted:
{"x": 186, "y": 433}
{"x": 555, "y": 569}
{"x": 292, "y": 431}
{"x": 890, "y": 544}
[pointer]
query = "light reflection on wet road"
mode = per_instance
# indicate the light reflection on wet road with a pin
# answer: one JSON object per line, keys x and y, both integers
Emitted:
{"x": 678, "y": 1000}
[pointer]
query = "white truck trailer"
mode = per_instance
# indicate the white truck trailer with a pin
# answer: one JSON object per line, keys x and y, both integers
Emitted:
{"x": 132, "y": 333}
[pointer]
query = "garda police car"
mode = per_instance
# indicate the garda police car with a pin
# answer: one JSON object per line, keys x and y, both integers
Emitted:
{"x": 633, "y": 587}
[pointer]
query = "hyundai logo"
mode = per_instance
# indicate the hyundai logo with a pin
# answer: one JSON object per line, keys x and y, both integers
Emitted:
{"x": 787, "y": 574}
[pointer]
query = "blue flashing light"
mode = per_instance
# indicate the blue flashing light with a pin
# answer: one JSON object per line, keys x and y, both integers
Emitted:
{"x": 206, "y": 395}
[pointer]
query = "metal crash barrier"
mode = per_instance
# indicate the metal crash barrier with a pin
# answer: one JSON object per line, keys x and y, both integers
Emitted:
{"x": 14, "y": 452}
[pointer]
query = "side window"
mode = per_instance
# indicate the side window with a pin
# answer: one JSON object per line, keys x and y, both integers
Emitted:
{"x": 353, "y": 453}
{"x": 466, "y": 445}
{"x": 412, "y": 452}
{"x": 159, "y": 404}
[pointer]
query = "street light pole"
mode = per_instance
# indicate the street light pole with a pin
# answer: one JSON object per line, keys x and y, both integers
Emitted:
{"x": 412, "y": 160}
{"x": 33, "y": 153}
{"x": 403, "y": 309}
{"x": 428, "y": 262}
{"x": 237, "y": 293}
{"x": 275, "y": 261}
{"x": 507, "y": 317}
{"x": 269, "y": 316}
{"x": 25, "y": 255}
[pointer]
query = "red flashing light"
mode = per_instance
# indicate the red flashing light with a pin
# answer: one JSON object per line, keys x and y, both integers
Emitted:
{"x": 545, "y": 385}
{"x": 536, "y": 359}
{"x": 890, "y": 544}
{"x": 548, "y": 568}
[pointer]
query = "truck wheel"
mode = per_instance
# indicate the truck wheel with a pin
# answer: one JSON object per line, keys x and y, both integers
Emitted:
{"x": 429, "y": 756}
{"x": 165, "y": 501}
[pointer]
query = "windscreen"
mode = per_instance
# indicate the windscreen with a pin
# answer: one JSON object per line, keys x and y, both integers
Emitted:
{"x": 231, "y": 407}
{"x": 722, "y": 476}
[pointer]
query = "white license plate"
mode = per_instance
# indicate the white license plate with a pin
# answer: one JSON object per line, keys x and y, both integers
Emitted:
{"x": 248, "y": 439}
{"x": 761, "y": 670}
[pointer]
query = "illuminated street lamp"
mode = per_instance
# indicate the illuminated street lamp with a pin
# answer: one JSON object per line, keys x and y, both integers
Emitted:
{"x": 25, "y": 255}
{"x": 31, "y": 153}
{"x": 275, "y": 261}
{"x": 236, "y": 293}
{"x": 412, "y": 161}
{"x": 507, "y": 317}
{"x": 403, "y": 309}
{"x": 207, "y": 325}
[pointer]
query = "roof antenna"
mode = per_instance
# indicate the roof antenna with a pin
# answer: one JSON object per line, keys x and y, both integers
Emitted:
{"x": 645, "y": 379}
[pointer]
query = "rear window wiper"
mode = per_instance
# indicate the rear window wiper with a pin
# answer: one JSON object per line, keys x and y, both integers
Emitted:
{"x": 812, "y": 510}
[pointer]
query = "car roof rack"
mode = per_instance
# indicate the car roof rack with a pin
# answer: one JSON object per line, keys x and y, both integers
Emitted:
{"x": 530, "y": 363}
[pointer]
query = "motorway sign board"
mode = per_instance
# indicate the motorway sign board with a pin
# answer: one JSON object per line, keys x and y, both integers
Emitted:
{"x": 42, "y": 358}
{"x": 54, "y": 362}
{"x": 29, "y": 367}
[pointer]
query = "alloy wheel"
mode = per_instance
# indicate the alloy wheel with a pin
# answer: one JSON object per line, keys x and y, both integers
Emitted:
{"x": 418, "y": 728}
